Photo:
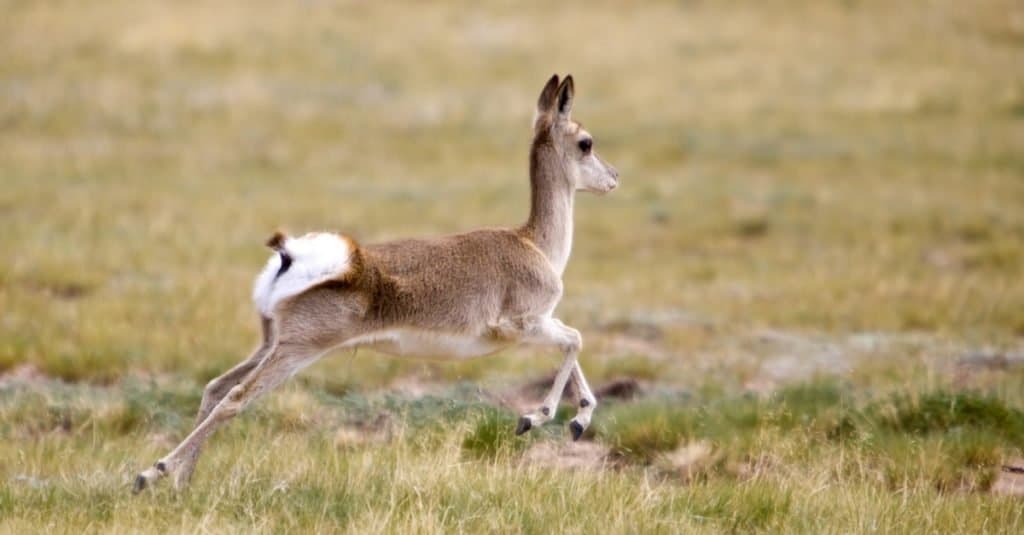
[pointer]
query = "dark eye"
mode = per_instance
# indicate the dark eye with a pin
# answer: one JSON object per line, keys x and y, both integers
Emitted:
{"x": 586, "y": 144}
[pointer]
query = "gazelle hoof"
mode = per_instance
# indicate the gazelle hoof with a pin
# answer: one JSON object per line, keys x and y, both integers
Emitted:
{"x": 524, "y": 425}
{"x": 148, "y": 477}
{"x": 576, "y": 429}
{"x": 140, "y": 484}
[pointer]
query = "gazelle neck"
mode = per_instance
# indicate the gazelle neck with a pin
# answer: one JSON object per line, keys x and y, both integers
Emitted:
{"x": 551, "y": 203}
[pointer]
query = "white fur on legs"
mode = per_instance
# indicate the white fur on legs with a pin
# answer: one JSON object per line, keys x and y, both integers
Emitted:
{"x": 587, "y": 402}
{"x": 551, "y": 332}
{"x": 549, "y": 406}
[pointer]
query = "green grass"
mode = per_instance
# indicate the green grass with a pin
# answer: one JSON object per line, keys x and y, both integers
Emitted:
{"x": 819, "y": 215}
{"x": 452, "y": 463}
{"x": 493, "y": 434}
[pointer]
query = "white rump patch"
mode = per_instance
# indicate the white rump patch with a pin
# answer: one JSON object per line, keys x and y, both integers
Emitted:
{"x": 316, "y": 257}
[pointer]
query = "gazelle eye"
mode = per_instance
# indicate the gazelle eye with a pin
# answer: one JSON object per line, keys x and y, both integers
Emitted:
{"x": 586, "y": 144}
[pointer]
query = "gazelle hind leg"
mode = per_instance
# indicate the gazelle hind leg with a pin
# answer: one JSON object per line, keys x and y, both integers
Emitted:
{"x": 217, "y": 388}
{"x": 587, "y": 402}
{"x": 283, "y": 361}
{"x": 550, "y": 332}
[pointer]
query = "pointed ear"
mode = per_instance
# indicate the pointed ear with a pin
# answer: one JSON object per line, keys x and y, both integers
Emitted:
{"x": 546, "y": 101}
{"x": 565, "y": 97}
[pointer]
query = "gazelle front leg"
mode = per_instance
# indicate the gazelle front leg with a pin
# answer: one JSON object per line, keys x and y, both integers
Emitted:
{"x": 548, "y": 331}
{"x": 587, "y": 403}
{"x": 547, "y": 409}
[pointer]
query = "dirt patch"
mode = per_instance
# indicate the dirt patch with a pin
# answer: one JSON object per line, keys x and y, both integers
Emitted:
{"x": 534, "y": 391}
{"x": 973, "y": 368}
{"x": 639, "y": 346}
{"x": 64, "y": 290}
{"x": 363, "y": 433}
{"x": 162, "y": 441}
{"x": 689, "y": 460}
{"x": 644, "y": 330}
{"x": 530, "y": 394}
{"x": 626, "y": 388}
{"x": 791, "y": 357}
{"x": 23, "y": 373}
{"x": 1010, "y": 481}
{"x": 991, "y": 361}
{"x": 581, "y": 455}
{"x": 415, "y": 387}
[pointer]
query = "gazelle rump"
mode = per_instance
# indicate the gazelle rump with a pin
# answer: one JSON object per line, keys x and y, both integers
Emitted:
{"x": 455, "y": 296}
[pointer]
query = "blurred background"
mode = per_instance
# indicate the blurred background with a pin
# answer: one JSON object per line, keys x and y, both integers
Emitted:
{"x": 823, "y": 167}
{"x": 809, "y": 189}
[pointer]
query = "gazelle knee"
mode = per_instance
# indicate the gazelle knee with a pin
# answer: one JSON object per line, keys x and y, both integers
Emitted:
{"x": 231, "y": 404}
{"x": 573, "y": 341}
{"x": 213, "y": 388}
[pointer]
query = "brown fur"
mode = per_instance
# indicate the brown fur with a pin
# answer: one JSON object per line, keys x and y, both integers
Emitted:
{"x": 484, "y": 285}
{"x": 488, "y": 275}
{"x": 466, "y": 283}
{"x": 276, "y": 242}
{"x": 550, "y": 222}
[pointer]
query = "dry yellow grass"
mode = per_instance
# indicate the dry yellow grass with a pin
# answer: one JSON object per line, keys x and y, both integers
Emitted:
{"x": 808, "y": 189}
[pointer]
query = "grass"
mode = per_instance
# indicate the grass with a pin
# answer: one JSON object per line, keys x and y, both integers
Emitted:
{"x": 818, "y": 224}
{"x": 782, "y": 467}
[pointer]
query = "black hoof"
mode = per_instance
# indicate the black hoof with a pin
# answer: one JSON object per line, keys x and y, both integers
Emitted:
{"x": 140, "y": 484}
{"x": 576, "y": 429}
{"x": 524, "y": 425}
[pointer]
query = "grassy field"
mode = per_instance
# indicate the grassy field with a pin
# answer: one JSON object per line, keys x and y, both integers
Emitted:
{"x": 810, "y": 277}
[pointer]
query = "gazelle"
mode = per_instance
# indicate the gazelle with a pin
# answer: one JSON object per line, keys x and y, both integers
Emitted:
{"x": 457, "y": 296}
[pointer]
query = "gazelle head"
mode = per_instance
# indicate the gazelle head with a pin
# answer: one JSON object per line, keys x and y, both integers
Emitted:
{"x": 573, "y": 145}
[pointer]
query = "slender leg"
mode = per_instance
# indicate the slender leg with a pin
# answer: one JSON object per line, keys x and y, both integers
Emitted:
{"x": 283, "y": 361}
{"x": 587, "y": 403}
{"x": 551, "y": 332}
{"x": 217, "y": 388}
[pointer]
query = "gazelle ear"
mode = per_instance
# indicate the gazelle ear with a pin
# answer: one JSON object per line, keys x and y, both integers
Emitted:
{"x": 546, "y": 102}
{"x": 565, "y": 97}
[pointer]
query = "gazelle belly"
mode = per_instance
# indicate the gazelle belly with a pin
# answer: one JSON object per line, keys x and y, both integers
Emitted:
{"x": 429, "y": 344}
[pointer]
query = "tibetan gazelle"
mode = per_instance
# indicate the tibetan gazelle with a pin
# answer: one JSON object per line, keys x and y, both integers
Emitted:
{"x": 456, "y": 296}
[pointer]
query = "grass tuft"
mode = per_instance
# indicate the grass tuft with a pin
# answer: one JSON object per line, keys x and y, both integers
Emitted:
{"x": 945, "y": 412}
{"x": 493, "y": 435}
